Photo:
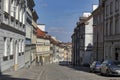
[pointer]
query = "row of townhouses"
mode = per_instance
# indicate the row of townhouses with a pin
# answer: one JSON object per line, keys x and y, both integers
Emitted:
{"x": 23, "y": 42}
{"x": 97, "y": 34}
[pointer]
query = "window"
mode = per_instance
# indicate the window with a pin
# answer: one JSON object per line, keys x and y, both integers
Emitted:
{"x": 117, "y": 25}
{"x": 0, "y": 4}
{"x": 11, "y": 48}
{"x": 106, "y": 29}
{"x": 107, "y": 10}
{"x": 5, "y": 46}
{"x": 116, "y": 5}
{"x": 111, "y": 7}
{"x": 17, "y": 12}
{"x": 111, "y": 26}
{"x": 21, "y": 15}
{"x": 13, "y": 8}
{"x": 23, "y": 46}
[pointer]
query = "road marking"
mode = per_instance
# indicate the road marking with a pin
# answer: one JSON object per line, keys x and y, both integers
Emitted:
{"x": 39, "y": 76}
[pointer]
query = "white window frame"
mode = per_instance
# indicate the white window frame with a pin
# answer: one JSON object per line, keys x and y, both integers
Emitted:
{"x": 11, "y": 46}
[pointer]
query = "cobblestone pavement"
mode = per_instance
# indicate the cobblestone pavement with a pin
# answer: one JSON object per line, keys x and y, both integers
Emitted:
{"x": 54, "y": 72}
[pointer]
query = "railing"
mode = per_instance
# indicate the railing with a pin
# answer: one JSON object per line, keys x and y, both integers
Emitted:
{"x": 13, "y": 22}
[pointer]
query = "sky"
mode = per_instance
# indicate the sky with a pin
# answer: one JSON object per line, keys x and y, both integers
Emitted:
{"x": 61, "y": 16}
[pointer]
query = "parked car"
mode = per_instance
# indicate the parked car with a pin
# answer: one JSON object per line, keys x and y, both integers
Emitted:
{"x": 109, "y": 67}
{"x": 95, "y": 66}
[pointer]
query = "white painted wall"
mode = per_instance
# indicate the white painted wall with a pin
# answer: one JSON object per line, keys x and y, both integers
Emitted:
{"x": 88, "y": 41}
{"x": 41, "y": 26}
{"x": 86, "y": 14}
{"x": 95, "y": 7}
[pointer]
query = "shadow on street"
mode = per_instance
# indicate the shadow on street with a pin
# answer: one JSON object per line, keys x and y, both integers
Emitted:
{"x": 8, "y": 77}
{"x": 83, "y": 68}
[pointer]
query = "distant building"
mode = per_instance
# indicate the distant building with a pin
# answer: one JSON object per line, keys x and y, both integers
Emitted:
{"x": 78, "y": 40}
{"x": 55, "y": 49}
{"x": 43, "y": 52}
{"x": 82, "y": 40}
{"x": 98, "y": 32}
{"x": 68, "y": 52}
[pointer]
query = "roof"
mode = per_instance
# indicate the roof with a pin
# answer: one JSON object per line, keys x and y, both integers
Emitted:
{"x": 40, "y": 33}
{"x": 44, "y": 35}
{"x": 52, "y": 40}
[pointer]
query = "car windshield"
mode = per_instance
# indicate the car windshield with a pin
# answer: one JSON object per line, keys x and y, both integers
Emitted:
{"x": 116, "y": 63}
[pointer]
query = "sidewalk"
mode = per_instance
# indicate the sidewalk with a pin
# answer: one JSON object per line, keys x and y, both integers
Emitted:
{"x": 23, "y": 74}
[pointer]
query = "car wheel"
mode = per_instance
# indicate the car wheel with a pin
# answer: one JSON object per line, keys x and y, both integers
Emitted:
{"x": 101, "y": 72}
{"x": 107, "y": 72}
{"x": 91, "y": 70}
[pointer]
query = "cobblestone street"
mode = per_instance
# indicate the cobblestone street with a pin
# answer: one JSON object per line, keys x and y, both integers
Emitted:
{"x": 54, "y": 72}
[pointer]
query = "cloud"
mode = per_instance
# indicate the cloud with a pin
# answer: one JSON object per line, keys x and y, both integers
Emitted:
{"x": 58, "y": 30}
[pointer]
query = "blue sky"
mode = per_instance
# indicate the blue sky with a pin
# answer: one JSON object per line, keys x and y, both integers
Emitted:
{"x": 60, "y": 16}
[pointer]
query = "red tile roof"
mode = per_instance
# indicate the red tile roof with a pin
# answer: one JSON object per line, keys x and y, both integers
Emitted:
{"x": 40, "y": 33}
{"x": 44, "y": 35}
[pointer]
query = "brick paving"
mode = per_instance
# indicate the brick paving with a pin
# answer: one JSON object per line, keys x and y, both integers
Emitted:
{"x": 54, "y": 72}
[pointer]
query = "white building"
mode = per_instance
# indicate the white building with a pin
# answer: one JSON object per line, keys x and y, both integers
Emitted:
{"x": 88, "y": 40}
{"x": 12, "y": 34}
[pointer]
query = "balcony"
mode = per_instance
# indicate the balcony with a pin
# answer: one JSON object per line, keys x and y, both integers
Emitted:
{"x": 12, "y": 22}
